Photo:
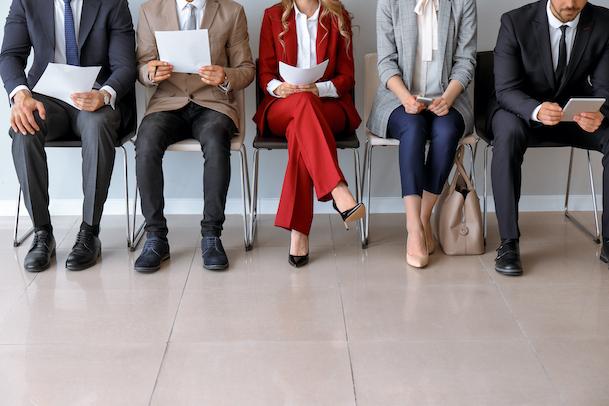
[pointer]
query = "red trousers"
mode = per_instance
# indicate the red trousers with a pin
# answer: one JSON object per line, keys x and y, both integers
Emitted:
{"x": 309, "y": 124}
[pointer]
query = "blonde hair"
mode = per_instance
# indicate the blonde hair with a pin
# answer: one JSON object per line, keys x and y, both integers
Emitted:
{"x": 332, "y": 8}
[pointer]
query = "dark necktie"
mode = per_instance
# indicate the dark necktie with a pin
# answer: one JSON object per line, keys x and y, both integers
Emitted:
{"x": 561, "y": 69}
{"x": 70, "y": 32}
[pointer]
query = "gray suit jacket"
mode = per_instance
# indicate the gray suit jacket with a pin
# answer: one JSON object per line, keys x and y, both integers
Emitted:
{"x": 397, "y": 45}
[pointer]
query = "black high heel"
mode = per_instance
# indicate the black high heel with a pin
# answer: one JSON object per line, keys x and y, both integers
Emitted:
{"x": 298, "y": 261}
{"x": 354, "y": 214}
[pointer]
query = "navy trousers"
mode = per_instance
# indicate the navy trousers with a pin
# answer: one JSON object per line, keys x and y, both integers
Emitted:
{"x": 414, "y": 130}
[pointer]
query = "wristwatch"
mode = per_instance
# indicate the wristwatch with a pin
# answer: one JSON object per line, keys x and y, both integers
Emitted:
{"x": 225, "y": 86}
{"x": 107, "y": 97}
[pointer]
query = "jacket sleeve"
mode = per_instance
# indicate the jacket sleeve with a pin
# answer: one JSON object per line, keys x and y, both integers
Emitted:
{"x": 600, "y": 80}
{"x": 464, "y": 62}
{"x": 268, "y": 62}
{"x": 16, "y": 48}
{"x": 146, "y": 48}
{"x": 385, "y": 43}
{"x": 344, "y": 80}
{"x": 509, "y": 74}
{"x": 121, "y": 50}
{"x": 241, "y": 69}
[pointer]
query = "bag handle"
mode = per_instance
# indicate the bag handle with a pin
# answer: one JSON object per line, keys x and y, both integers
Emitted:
{"x": 460, "y": 170}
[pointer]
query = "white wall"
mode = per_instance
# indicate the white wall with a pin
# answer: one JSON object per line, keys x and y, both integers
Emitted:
{"x": 544, "y": 170}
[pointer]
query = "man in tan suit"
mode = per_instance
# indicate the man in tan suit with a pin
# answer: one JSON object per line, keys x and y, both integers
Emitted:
{"x": 199, "y": 106}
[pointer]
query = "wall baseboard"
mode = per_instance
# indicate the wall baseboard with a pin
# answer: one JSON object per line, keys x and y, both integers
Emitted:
{"x": 67, "y": 207}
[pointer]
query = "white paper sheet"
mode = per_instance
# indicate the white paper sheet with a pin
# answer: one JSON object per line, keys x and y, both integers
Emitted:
{"x": 302, "y": 76}
{"x": 186, "y": 50}
{"x": 60, "y": 81}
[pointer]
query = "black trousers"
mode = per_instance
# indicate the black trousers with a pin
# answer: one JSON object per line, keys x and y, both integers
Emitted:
{"x": 157, "y": 132}
{"x": 98, "y": 132}
{"x": 512, "y": 137}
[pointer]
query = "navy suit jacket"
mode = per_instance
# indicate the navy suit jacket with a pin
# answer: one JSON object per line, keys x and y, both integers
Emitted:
{"x": 106, "y": 38}
{"x": 524, "y": 72}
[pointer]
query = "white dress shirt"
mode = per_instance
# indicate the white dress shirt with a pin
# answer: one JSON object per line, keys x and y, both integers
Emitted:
{"x": 184, "y": 12}
{"x": 306, "y": 32}
{"x": 60, "y": 41}
{"x": 555, "y": 35}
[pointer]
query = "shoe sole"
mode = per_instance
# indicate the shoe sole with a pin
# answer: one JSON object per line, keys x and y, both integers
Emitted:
{"x": 216, "y": 268}
{"x": 85, "y": 266}
{"x": 604, "y": 259}
{"x": 508, "y": 273}
{"x": 356, "y": 215}
{"x": 44, "y": 267}
{"x": 141, "y": 269}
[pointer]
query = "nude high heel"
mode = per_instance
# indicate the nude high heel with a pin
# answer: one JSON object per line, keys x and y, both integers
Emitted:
{"x": 431, "y": 243}
{"x": 418, "y": 261}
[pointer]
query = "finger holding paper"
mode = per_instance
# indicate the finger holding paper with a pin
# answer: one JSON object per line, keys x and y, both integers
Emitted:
{"x": 88, "y": 101}
{"x": 212, "y": 75}
{"x": 159, "y": 71}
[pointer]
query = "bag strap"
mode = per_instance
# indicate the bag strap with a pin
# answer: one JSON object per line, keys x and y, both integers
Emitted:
{"x": 461, "y": 172}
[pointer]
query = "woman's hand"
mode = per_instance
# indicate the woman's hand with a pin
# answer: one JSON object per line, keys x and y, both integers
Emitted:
{"x": 312, "y": 88}
{"x": 412, "y": 106}
{"x": 440, "y": 106}
{"x": 159, "y": 71}
{"x": 285, "y": 89}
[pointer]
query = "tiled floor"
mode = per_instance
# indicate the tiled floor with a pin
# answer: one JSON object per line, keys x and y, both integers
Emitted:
{"x": 353, "y": 328}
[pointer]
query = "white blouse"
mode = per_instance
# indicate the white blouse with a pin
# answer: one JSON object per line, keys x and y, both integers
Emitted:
{"x": 306, "y": 32}
{"x": 426, "y": 80}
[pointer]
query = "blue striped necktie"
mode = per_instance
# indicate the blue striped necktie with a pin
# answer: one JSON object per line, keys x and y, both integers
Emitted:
{"x": 71, "y": 44}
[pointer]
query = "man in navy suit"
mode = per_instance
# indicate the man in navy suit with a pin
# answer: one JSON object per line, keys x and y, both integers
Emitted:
{"x": 79, "y": 33}
{"x": 547, "y": 52}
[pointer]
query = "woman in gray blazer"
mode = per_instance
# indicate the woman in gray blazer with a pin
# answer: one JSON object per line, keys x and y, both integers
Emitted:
{"x": 426, "y": 61}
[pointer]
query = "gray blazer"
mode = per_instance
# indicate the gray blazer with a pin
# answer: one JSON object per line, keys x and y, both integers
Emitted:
{"x": 397, "y": 45}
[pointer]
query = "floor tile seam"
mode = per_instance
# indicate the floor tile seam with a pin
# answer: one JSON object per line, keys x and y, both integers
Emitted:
{"x": 342, "y": 305}
{"x": 531, "y": 346}
{"x": 160, "y": 369}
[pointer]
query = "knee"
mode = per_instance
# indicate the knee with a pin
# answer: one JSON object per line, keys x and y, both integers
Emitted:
{"x": 217, "y": 146}
{"x": 509, "y": 131}
{"x": 305, "y": 99}
{"x": 99, "y": 126}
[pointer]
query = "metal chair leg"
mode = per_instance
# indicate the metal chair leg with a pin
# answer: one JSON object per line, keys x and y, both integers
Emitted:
{"x": 245, "y": 193}
{"x": 367, "y": 178}
{"x": 358, "y": 193}
{"x": 17, "y": 241}
{"x": 596, "y": 235}
{"x": 137, "y": 232}
{"x": 485, "y": 198}
{"x": 254, "y": 198}
{"x": 128, "y": 214}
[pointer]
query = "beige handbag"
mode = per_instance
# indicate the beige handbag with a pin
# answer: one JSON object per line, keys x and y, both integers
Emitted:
{"x": 458, "y": 217}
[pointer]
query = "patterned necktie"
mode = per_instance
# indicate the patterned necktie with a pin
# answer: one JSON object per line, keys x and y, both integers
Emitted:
{"x": 70, "y": 32}
{"x": 191, "y": 24}
{"x": 561, "y": 69}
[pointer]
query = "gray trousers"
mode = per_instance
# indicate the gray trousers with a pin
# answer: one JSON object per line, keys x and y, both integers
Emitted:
{"x": 98, "y": 132}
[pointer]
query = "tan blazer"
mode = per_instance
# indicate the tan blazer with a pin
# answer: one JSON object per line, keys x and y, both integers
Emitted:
{"x": 229, "y": 43}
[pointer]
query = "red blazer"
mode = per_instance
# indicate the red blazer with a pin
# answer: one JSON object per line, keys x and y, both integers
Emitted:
{"x": 330, "y": 45}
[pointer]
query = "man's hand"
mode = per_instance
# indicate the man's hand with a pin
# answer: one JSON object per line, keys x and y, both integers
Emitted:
{"x": 312, "y": 88}
{"x": 589, "y": 122}
{"x": 440, "y": 107}
{"x": 22, "y": 113}
{"x": 550, "y": 114}
{"x": 412, "y": 106}
{"x": 212, "y": 75}
{"x": 159, "y": 71}
{"x": 88, "y": 101}
{"x": 285, "y": 89}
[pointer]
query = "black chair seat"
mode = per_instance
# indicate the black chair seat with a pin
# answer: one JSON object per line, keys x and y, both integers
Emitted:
{"x": 345, "y": 141}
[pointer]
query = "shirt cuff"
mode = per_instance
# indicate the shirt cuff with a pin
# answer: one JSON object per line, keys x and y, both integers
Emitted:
{"x": 272, "y": 86}
{"x": 327, "y": 89}
{"x": 112, "y": 96}
{"x": 17, "y": 90}
{"x": 535, "y": 114}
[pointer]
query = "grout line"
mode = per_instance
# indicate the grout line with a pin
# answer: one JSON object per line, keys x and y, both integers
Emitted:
{"x": 175, "y": 317}
{"x": 342, "y": 305}
{"x": 526, "y": 336}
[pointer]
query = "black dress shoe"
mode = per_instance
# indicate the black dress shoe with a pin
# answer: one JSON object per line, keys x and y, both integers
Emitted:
{"x": 41, "y": 252}
{"x": 605, "y": 251}
{"x": 351, "y": 215}
{"x": 214, "y": 257}
{"x": 508, "y": 258}
{"x": 86, "y": 251}
{"x": 298, "y": 261}
{"x": 155, "y": 251}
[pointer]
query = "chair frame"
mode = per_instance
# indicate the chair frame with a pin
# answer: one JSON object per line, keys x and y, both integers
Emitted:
{"x": 18, "y": 240}
{"x": 138, "y": 231}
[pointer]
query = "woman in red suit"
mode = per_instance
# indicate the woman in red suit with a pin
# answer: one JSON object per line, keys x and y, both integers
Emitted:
{"x": 303, "y": 33}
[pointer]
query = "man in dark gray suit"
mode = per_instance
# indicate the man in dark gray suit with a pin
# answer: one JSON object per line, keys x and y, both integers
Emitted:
{"x": 79, "y": 33}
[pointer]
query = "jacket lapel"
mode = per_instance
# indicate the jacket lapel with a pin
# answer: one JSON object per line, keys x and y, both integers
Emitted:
{"x": 210, "y": 12}
{"x": 168, "y": 16}
{"x": 291, "y": 41}
{"x": 545, "y": 47}
{"x": 323, "y": 34}
{"x": 89, "y": 14}
{"x": 47, "y": 8}
{"x": 582, "y": 36}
